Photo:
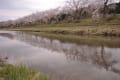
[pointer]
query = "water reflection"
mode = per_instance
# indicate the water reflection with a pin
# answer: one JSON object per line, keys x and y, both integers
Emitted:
{"x": 66, "y": 61}
{"x": 7, "y": 35}
{"x": 96, "y": 55}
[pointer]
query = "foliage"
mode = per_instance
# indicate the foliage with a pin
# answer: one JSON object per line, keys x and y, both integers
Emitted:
{"x": 10, "y": 72}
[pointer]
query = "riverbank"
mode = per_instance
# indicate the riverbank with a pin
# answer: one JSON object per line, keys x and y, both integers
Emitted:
{"x": 93, "y": 27}
{"x": 87, "y": 31}
{"x": 73, "y": 29}
{"x": 109, "y": 26}
{"x": 10, "y": 72}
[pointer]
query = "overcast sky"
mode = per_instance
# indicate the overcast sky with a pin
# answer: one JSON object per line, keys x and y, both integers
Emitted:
{"x": 12, "y": 9}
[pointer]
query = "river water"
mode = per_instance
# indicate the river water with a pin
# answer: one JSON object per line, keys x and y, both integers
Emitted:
{"x": 60, "y": 60}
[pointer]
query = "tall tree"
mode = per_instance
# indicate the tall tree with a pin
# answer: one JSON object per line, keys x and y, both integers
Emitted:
{"x": 105, "y": 7}
{"x": 77, "y": 7}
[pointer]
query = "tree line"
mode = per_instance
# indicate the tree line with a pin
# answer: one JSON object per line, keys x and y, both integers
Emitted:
{"x": 73, "y": 10}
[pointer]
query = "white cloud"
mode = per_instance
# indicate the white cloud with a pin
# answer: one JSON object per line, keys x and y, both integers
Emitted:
{"x": 21, "y": 8}
{"x": 43, "y": 4}
{"x": 17, "y": 8}
{"x": 13, "y": 14}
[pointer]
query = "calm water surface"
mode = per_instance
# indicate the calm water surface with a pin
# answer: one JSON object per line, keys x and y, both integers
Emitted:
{"x": 61, "y": 60}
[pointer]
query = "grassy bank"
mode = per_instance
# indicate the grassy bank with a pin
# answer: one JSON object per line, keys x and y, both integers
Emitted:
{"x": 84, "y": 27}
{"x": 86, "y": 31}
{"x": 9, "y": 72}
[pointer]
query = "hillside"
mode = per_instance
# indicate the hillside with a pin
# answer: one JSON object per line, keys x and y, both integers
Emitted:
{"x": 61, "y": 15}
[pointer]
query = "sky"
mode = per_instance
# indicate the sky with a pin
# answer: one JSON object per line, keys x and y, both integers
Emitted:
{"x": 13, "y": 9}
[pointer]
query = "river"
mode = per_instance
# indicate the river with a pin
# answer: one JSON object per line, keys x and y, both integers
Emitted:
{"x": 60, "y": 60}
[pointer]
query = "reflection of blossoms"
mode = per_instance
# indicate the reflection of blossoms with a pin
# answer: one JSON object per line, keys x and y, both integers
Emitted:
{"x": 73, "y": 52}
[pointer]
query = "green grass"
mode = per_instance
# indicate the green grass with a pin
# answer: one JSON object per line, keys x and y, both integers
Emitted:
{"x": 10, "y": 72}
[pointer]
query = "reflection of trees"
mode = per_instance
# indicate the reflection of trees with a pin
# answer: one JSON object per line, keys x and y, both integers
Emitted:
{"x": 103, "y": 59}
{"x": 95, "y": 55}
{"x": 8, "y": 35}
